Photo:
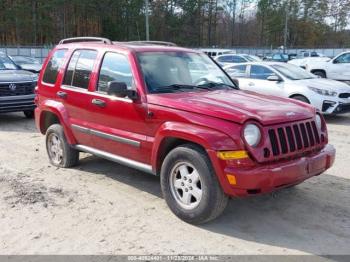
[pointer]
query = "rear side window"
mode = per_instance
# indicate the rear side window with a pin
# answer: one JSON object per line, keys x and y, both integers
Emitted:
{"x": 79, "y": 69}
{"x": 225, "y": 59}
{"x": 237, "y": 71}
{"x": 53, "y": 66}
{"x": 115, "y": 67}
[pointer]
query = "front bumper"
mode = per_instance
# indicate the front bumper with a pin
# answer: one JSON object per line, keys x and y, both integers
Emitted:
{"x": 270, "y": 177}
{"x": 332, "y": 107}
{"x": 17, "y": 103}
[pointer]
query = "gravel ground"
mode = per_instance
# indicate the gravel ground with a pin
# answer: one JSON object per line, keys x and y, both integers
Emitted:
{"x": 101, "y": 207}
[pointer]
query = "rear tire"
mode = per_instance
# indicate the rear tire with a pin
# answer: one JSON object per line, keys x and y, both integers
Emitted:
{"x": 60, "y": 153}
{"x": 29, "y": 113}
{"x": 320, "y": 74}
{"x": 190, "y": 186}
{"x": 301, "y": 98}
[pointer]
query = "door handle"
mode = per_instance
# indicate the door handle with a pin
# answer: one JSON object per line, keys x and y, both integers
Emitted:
{"x": 61, "y": 94}
{"x": 251, "y": 84}
{"x": 98, "y": 102}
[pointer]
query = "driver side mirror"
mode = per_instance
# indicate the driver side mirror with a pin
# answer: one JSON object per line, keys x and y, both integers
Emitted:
{"x": 120, "y": 89}
{"x": 273, "y": 78}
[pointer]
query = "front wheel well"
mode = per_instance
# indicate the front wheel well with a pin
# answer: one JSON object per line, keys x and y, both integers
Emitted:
{"x": 168, "y": 144}
{"x": 303, "y": 98}
{"x": 48, "y": 119}
{"x": 319, "y": 70}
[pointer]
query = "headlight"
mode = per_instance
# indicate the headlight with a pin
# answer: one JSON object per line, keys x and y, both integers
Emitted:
{"x": 318, "y": 122}
{"x": 323, "y": 92}
{"x": 252, "y": 134}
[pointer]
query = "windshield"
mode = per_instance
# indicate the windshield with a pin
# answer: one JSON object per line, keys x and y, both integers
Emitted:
{"x": 293, "y": 72}
{"x": 24, "y": 60}
{"x": 251, "y": 58}
{"x": 179, "y": 71}
{"x": 6, "y": 63}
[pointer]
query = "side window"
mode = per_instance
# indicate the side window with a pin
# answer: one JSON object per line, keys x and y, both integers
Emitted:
{"x": 238, "y": 59}
{"x": 260, "y": 72}
{"x": 237, "y": 71}
{"x": 225, "y": 59}
{"x": 345, "y": 58}
{"x": 53, "y": 66}
{"x": 79, "y": 68}
{"x": 115, "y": 67}
{"x": 276, "y": 57}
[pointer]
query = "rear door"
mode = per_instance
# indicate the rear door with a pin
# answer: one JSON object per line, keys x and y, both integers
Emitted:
{"x": 75, "y": 94}
{"x": 119, "y": 124}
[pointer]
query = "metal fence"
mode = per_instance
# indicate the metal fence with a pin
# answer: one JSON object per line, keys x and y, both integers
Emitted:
{"x": 41, "y": 52}
{"x": 38, "y": 52}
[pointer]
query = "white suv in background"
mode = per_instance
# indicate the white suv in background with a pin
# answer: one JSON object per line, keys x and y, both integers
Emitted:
{"x": 286, "y": 80}
{"x": 337, "y": 68}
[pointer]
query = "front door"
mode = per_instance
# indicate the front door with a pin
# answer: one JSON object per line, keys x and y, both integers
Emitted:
{"x": 119, "y": 123}
{"x": 339, "y": 68}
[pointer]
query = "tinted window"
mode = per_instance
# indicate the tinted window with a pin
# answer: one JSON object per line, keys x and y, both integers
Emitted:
{"x": 79, "y": 68}
{"x": 53, "y": 66}
{"x": 345, "y": 58}
{"x": 260, "y": 72}
{"x": 238, "y": 59}
{"x": 225, "y": 59}
{"x": 115, "y": 67}
{"x": 237, "y": 71}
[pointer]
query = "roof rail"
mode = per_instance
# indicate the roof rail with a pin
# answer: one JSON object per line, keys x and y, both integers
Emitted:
{"x": 151, "y": 43}
{"x": 85, "y": 39}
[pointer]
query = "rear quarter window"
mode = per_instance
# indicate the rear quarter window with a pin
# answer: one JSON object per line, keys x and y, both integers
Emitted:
{"x": 53, "y": 66}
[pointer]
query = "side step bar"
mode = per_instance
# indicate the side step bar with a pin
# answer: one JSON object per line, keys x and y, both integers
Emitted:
{"x": 115, "y": 158}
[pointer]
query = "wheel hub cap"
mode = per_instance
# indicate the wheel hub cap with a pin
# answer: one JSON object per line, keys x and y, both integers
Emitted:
{"x": 185, "y": 185}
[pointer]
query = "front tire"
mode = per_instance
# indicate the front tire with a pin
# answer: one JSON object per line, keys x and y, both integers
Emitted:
{"x": 60, "y": 153}
{"x": 190, "y": 186}
{"x": 320, "y": 74}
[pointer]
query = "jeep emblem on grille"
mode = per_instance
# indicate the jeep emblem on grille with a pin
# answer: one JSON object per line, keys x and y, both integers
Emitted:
{"x": 290, "y": 114}
{"x": 12, "y": 87}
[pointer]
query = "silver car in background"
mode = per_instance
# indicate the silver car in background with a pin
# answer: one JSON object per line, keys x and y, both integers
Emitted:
{"x": 286, "y": 80}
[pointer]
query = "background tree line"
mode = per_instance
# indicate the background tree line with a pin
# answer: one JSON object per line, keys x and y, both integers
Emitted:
{"x": 223, "y": 23}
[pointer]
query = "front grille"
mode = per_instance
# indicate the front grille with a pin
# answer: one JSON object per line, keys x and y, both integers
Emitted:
{"x": 344, "y": 95}
{"x": 16, "y": 89}
{"x": 294, "y": 138}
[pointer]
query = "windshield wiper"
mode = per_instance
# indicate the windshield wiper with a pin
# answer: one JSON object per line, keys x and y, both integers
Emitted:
{"x": 172, "y": 88}
{"x": 211, "y": 85}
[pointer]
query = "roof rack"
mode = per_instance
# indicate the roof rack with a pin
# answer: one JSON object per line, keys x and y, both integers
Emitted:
{"x": 85, "y": 39}
{"x": 151, "y": 43}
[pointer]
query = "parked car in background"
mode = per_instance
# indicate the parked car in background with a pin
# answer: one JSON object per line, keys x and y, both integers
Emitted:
{"x": 337, "y": 68}
{"x": 278, "y": 57}
{"x": 27, "y": 63}
{"x": 286, "y": 80}
{"x": 213, "y": 52}
{"x": 16, "y": 88}
{"x": 151, "y": 108}
{"x": 302, "y": 62}
{"x": 227, "y": 59}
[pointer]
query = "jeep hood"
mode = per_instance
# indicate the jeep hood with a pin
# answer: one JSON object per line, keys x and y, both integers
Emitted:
{"x": 236, "y": 105}
{"x": 16, "y": 76}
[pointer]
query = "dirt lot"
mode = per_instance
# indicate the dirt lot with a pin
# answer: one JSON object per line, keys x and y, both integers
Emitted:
{"x": 101, "y": 207}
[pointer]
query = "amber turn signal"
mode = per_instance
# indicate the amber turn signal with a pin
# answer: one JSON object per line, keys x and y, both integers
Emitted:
{"x": 231, "y": 179}
{"x": 229, "y": 155}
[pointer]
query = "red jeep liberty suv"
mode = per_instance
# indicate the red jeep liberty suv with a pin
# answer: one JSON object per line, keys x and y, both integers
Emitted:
{"x": 175, "y": 113}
